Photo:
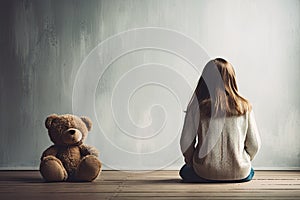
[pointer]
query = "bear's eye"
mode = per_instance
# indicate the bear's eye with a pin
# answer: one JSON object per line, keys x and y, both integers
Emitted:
{"x": 64, "y": 127}
{"x": 59, "y": 127}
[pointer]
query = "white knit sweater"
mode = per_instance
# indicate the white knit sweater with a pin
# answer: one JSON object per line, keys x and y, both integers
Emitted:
{"x": 219, "y": 149}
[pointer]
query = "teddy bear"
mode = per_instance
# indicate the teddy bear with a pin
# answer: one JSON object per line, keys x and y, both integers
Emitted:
{"x": 69, "y": 159}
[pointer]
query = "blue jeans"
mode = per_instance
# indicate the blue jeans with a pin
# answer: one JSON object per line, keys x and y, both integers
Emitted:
{"x": 188, "y": 175}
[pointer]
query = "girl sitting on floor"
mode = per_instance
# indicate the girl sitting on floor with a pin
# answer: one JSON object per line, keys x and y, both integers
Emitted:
{"x": 219, "y": 137}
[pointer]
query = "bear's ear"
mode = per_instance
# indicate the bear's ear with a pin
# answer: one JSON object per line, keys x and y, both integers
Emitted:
{"x": 87, "y": 121}
{"x": 49, "y": 120}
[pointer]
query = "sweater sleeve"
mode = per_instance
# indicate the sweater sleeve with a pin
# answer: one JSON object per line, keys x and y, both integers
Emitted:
{"x": 252, "y": 142}
{"x": 189, "y": 131}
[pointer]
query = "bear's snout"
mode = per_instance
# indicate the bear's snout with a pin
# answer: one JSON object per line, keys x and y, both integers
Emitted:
{"x": 72, "y": 132}
{"x": 71, "y": 136}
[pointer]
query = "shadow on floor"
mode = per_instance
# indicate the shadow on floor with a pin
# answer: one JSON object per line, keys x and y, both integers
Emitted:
{"x": 157, "y": 181}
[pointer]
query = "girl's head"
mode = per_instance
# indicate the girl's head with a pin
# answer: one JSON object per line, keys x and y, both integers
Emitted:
{"x": 217, "y": 91}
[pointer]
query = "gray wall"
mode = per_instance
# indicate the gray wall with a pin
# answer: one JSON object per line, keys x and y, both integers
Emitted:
{"x": 43, "y": 43}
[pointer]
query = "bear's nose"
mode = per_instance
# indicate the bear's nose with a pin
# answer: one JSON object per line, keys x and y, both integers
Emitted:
{"x": 72, "y": 132}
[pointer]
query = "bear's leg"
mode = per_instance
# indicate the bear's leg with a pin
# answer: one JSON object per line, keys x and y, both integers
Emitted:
{"x": 52, "y": 169}
{"x": 88, "y": 169}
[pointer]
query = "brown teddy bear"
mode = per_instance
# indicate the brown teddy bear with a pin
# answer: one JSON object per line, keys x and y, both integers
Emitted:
{"x": 69, "y": 159}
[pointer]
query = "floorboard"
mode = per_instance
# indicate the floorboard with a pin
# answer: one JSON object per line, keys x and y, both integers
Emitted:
{"x": 148, "y": 185}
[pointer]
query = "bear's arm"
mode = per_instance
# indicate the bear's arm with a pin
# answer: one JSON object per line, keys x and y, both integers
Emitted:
{"x": 88, "y": 150}
{"x": 51, "y": 151}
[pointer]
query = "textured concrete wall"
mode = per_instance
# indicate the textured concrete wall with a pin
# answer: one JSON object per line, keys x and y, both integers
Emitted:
{"x": 43, "y": 43}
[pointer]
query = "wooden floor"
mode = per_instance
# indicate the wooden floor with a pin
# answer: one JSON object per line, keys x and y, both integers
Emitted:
{"x": 148, "y": 185}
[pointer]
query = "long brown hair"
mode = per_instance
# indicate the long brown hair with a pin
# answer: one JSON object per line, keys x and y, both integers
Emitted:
{"x": 217, "y": 91}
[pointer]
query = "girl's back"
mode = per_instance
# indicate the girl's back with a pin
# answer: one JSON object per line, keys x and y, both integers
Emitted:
{"x": 225, "y": 129}
{"x": 228, "y": 159}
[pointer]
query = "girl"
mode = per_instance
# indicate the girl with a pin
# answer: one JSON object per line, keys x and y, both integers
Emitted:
{"x": 219, "y": 137}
